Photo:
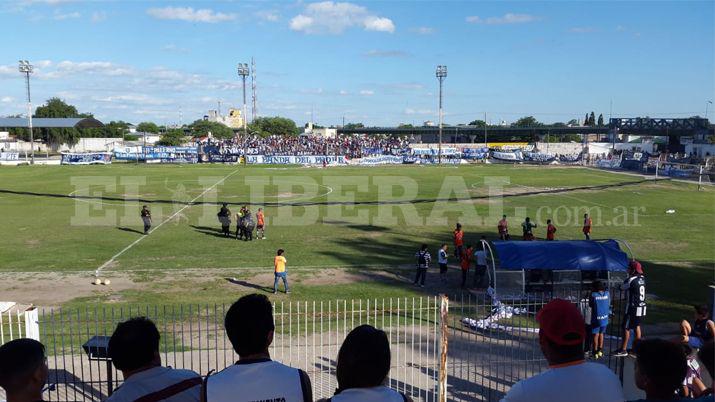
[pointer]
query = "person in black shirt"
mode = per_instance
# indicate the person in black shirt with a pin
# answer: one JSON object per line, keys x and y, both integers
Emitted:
{"x": 23, "y": 370}
{"x": 423, "y": 259}
{"x": 146, "y": 218}
{"x": 700, "y": 331}
{"x": 635, "y": 308}
{"x": 527, "y": 227}
{"x": 224, "y": 216}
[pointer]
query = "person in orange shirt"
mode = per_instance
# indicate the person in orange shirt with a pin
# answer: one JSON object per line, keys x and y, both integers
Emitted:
{"x": 465, "y": 262}
{"x": 550, "y": 230}
{"x": 279, "y": 265}
{"x": 587, "y": 226}
{"x": 260, "y": 224}
{"x": 458, "y": 241}
{"x": 503, "y": 228}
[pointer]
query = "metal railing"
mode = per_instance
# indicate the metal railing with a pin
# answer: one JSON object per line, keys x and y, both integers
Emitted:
{"x": 481, "y": 362}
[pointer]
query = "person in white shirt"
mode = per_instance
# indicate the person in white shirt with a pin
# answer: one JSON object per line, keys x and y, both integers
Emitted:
{"x": 134, "y": 350}
{"x": 442, "y": 261}
{"x": 255, "y": 377}
{"x": 362, "y": 368}
{"x": 569, "y": 377}
{"x": 480, "y": 256}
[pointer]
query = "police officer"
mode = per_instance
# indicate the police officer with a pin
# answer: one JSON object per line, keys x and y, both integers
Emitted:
{"x": 224, "y": 216}
{"x": 146, "y": 218}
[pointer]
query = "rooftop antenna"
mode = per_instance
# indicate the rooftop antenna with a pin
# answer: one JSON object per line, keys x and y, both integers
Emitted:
{"x": 254, "y": 111}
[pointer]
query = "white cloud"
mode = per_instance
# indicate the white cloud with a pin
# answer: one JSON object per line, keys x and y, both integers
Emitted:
{"x": 66, "y": 16}
{"x": 189, "y": 14}
{"x": 582, "y": 29}
{"x": 620, "y": 28}
{"x": 379, "y": 24}
{"x": 7, "y": 99}
{"x": 367, "y": 92}
{"x": 411, "y": 111}
{"x": 423, "y": 30}
{"x": 508, "y": 18}
{"x": 174, "y": 48}
{"x": 270, "y": 16}
{"x": 90, "y": 67}
{"x": 335, "y": 17}
{"x": 343, "y": 92}
{"x": 386, "y": 53}
{"x": 98, "y": 16}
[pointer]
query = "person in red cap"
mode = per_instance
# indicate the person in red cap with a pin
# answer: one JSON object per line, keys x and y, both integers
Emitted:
{"x": 635, "y": 307}
{"x": 570, "y": 377}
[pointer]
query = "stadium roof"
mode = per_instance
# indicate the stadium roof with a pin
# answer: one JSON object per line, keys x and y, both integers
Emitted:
{"x": 51, "y": 122}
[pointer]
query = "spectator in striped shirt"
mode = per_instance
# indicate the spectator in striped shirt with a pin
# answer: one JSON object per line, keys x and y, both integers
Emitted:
{"x": 423, "y": 260}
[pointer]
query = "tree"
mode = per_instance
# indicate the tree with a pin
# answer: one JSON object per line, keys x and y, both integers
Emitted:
{"x": 173, "y": 137}
{"x": 57, "y": 108}
{"x": 585, "y": 120}
{"x": 265, "y": 126}
{"x": 350, "y": 126}
{"x": 405, "y": 125}
{"x": 572, "y": 122}
{"x": 147, "y": 127}
{"x": 478, "y": 123}
{"x": 592, "y": 119}
{"x": 559, "y": 124}
{"x": 200, "y": 128}
{"x": 600, "y": 120}
{"x": 527, "y": 121}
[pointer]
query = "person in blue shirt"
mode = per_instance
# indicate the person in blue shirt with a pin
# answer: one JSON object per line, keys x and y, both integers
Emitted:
{"x": 600, "y": 302}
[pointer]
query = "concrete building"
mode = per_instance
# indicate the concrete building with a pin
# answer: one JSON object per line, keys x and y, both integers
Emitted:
{"x": 233, "y": 120}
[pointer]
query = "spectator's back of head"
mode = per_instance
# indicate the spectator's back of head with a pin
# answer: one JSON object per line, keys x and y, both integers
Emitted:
{"x": 661, "y": 367}
{"x": 249, "y": 324}
{"x": 599, "y": 286}
{"x": 364, "y": 358}
{"x": 561, "y": 332}
{"x": 424, "y": 247}
{"x": 21, "y": 362}
{"x": 134, "y": 344}
{"x": 702, "y": 310}
{"x": 706, "y": 354}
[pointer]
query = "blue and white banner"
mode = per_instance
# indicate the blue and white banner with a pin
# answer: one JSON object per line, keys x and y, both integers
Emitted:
{"x": 380, "y": 160}
{"x": 160, "y": 154}
{"x": 88, "y": 158}
{"x": 9, "y": 156}
{"x": 515, "y": 156}
{"x": 296, "y": 160}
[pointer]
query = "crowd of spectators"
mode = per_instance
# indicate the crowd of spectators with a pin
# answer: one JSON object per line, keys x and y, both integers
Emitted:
{"x": 351, "y": 146}
{"x": 662, "y": 368}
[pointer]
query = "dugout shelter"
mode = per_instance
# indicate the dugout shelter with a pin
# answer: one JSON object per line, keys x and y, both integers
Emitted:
{"x": 521, "y": 268}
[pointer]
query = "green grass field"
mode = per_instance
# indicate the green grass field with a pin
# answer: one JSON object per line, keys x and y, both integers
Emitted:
{"x": 351, "y": 221}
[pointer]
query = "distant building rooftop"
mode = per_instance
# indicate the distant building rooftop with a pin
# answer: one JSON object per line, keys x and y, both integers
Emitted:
{"x": 51, "y": 122}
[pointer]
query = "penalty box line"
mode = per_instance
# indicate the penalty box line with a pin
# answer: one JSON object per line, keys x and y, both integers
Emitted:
{"x": 137, "y": 241}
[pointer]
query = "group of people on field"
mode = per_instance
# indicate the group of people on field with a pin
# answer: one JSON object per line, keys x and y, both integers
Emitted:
{"x": 528, "y": 226}
{"x": 245, "y": 224}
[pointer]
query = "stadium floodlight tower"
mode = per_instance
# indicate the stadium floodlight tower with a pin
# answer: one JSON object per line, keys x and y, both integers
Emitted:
{"x": 441, "y": 75}
{"x": 243, "y": 72}
{"x": 26, "y": 68}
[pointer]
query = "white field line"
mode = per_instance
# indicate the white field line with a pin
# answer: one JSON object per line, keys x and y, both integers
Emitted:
{"x": 137, "y": 241}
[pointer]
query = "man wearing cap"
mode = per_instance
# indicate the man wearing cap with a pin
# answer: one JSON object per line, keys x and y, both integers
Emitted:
{"x": 635, "y": 308}
{"x": 570, "y": 377}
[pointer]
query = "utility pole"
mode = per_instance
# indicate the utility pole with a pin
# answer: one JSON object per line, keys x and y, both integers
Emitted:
{"x": 441, "y": 75}
{"x": 486, "y": 144}
{"x": 26, "y": 68}
{"x": 243, "y": 73}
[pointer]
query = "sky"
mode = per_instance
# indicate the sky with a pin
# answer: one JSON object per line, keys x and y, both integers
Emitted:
{"x": 372, "y": 62}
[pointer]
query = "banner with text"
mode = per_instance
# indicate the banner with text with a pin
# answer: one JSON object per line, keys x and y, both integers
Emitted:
{"x": 87, "y": 158}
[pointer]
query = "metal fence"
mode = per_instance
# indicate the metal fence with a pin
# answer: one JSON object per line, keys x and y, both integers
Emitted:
{"x": 482, "y": 361}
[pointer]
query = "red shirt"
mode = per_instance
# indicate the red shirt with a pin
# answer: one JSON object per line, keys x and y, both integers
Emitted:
{"x": 458, "y": 237}
{"x": 466, "y": 259}
{"x": 587, "y": 225}
{"x": 550, "y": 231}
{"x": 503, "y": 226}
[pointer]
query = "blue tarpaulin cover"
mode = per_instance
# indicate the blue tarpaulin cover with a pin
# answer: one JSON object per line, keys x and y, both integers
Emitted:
{"x": 583, "y": 255}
